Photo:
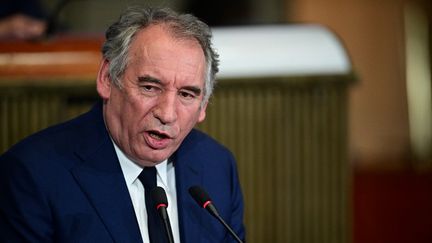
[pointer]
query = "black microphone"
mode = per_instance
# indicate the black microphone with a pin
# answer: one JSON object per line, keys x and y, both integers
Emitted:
{"x": 203, "y": 199}
{"x": 161, "y": 203}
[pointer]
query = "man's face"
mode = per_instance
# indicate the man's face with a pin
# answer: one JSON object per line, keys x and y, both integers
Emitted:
{"x": 160, "y": 101}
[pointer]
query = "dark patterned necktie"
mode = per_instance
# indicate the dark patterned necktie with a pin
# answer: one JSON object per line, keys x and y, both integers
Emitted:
{"x": 154, "y": 223}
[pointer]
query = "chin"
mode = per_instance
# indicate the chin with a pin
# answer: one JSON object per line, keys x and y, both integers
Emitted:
{"x": 156, "y": 159}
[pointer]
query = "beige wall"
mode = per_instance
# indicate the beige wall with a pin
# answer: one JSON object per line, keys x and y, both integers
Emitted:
{"x": 373, "y": 34}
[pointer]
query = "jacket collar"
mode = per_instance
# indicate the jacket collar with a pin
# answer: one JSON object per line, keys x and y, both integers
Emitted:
{"x": 101, "y": 179}
{"x": 188, "y": 166}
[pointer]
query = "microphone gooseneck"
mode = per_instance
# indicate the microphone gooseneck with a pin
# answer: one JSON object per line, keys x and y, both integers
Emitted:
{"x": 161, "y": 203}
{"x": 203, "y": 199}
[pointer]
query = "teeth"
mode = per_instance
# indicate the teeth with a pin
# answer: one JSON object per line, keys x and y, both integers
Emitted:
{"x": 156, "y": 136}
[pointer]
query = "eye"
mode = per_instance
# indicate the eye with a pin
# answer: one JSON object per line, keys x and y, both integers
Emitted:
{"x": 148, "y": 89}
{"x": 187, "y": 95}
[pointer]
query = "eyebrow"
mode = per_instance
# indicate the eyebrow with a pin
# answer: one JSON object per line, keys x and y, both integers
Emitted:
{"x": 193, "y": 89}
{"x": 149, "y": 79}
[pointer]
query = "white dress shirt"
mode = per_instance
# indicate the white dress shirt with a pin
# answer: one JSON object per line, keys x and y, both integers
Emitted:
{"x": 165, "y": 179}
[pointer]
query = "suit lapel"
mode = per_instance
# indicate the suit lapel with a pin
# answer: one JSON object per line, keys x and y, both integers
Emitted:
{"x": 101, "y": 179}
{"x": 188, "y": 173}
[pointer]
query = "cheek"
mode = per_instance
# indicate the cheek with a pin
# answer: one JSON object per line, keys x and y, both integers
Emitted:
{"x": 129, "y": 112}
{"x": 135, "y": 115}
{"x": 138, "y": 115}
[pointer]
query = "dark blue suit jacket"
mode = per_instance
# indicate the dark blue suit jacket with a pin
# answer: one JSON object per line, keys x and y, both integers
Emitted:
{"x": 65, "y": 184}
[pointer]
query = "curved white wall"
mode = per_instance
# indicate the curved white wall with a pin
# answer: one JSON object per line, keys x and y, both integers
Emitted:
{"x": 279, "y": 50}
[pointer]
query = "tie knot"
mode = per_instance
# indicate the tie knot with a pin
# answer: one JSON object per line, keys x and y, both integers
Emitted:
{"x": 148, "y": 178}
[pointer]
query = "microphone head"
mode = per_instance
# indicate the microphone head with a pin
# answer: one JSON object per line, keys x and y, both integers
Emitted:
{"x": 200, "y": 196}
{"x": 159, "y": 197}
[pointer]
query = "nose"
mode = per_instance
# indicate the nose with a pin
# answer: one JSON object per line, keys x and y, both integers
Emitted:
{"x": 166, "y": 108}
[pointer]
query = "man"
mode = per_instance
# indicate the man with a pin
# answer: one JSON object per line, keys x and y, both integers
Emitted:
{"x": 78, "y": 181}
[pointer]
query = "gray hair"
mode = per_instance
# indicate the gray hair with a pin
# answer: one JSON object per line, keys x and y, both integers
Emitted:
{"x": 120, "y": 34}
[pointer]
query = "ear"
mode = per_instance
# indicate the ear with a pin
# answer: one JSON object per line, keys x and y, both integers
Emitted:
{"x": 202, "y": 113}
{"x": 103, "y": 81}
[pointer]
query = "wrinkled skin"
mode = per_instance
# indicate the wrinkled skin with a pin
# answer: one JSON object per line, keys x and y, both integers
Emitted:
{"x": 160, "y": 100}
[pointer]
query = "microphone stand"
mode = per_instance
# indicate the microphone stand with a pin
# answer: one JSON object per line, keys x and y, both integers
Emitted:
{"x": 166, "y": 223}
{"x": 219, "y": 218}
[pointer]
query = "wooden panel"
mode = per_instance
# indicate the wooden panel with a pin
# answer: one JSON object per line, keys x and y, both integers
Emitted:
{"x": 67, "y": 57}
{"x": 27, "y": 109}
{"x": 290, "y": 142}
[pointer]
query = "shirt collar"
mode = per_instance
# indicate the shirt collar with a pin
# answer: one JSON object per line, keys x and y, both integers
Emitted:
{"x": 131, "y": 170}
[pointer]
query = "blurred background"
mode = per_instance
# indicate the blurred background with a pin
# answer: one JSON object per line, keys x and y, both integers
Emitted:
{"x": 344, "y": 157}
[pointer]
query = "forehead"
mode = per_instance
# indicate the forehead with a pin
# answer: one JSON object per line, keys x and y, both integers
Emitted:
{"x": 156, "y": 48}
{"x": 159, "y": 38}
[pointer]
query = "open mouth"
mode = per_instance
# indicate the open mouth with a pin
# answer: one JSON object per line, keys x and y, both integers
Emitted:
{"x": 158, "y": 135}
